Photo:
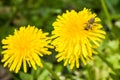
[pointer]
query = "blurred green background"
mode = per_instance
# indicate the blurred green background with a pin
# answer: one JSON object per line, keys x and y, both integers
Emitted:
{"x": 42, "y": 13}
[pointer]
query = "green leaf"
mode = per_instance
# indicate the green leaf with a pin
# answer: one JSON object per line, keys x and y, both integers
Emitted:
{"x": 44, "y": 75}
{"x": 25, "y": 76}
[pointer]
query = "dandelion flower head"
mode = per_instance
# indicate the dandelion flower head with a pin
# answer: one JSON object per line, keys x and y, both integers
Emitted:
{"x": 25, "y": 47}
{"x": 76, "y": 35}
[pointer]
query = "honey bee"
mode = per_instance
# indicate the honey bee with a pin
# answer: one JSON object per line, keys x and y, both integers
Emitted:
{"x": 89, "y": 24}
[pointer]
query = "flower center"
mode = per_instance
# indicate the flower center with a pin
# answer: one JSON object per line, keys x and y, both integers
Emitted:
{"x": 23, "y": 45}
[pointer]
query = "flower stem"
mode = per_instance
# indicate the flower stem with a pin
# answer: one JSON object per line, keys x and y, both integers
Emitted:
{"x": 107, "y": 14}
{"x": 50, "y": 70}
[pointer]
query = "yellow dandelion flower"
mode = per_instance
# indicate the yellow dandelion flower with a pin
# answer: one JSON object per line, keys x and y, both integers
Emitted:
{"x": 76, "y": 36}
{"x": 25, "y": 47}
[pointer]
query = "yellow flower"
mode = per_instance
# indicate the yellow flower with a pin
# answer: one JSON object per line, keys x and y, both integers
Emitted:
{"x": 25, "y": 46}
{"x": 76, "y": 36}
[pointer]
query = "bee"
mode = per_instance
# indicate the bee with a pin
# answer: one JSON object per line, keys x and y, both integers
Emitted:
{"x": 89, "y": 24}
